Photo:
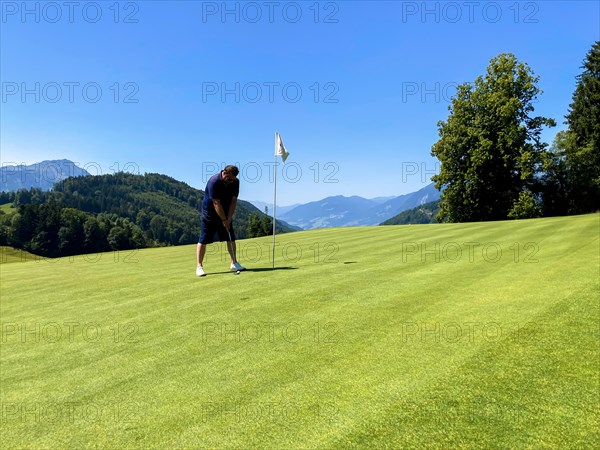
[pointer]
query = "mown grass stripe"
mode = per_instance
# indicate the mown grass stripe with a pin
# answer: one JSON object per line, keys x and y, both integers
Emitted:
{"x": 395, "y": 349}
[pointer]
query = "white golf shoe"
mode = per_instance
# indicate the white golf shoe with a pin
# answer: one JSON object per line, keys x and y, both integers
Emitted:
{"x": 236, "y": 266}
{"x": 200, "y": 272}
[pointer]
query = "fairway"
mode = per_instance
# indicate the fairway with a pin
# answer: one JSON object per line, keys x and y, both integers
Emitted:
{"x": 425, "y": 336}
{"x": 12, "y": 255}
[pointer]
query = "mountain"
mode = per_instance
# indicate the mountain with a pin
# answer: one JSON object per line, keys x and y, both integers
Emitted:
{"x": 421, "y": 214}
{"x": 380, "y": 200}
{"x": 280, "y": 209}
{"x": 337, "y": 211}
{"x": 41, "y": 175}
{"x": 403, "y": 202}
{"x": 340, "y": 211}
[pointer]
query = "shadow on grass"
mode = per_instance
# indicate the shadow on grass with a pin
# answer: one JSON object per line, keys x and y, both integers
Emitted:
{"x": 259, "y": 269}
{"x": 270, "y": 269}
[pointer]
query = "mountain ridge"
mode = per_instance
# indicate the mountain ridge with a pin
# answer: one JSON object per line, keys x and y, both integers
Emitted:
{"x": 42, "y": 175}
{"x": 340, "y": 210}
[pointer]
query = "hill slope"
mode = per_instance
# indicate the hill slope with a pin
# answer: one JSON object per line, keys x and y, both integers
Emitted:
{"x": 460, "y": 335}
{"x": 425, "y": 213}
{"x": 118, "y": 212}
{"x": 10, "y": 255}
{"x": 139, "y": 197}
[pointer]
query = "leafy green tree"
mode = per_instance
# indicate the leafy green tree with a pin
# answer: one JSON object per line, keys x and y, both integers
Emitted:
{"x": 22, "y": 197}
{"x": 94, "y": 238}
{"x": 5, "y": 227}
{"x": 554, "y": 178}
{"x": 173, "y": 233}
{"x": 71, "y": 234}
{"x": 143, "y": 218}
{"x": 42, "y": 244}
{"x": 421, "y": 214}
{"x": 583, "y": 147}
{"x": 267, "y": 223}
{"x": 158, "y": 226}
{"x": 490, "y": 148}
{"x": 17, "y": 234}
{"x": 138, "y": 239}
{"x": 7, "y": 197}
{"x": 526, "y": 207}
{"x": 45, "y": 240}
{"x": 259, "y": 226}
{"x": 254, "y": 228}
{"x": 37, "y": 196}
{"x": 187, "y": 237}
{"x": 118, "y": 238}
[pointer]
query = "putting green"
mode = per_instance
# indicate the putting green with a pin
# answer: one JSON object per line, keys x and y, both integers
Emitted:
{"x": 454, "y": 335}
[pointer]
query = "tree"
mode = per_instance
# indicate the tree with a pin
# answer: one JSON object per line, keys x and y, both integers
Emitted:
{"x": 71, "y": 234}
{"x": 158, "y": 226}
{"x": 490, "y": 149}
{"x": 554, "y": 178}
{"x": 118, "y": 238}
{"x": 16, "y": 235}
{"x": 6, "y": 197}
{"x": 267, "y": 223}
{"x": 138, "y": 240}
{"x": 583, "y": 147}
{"x": 143, "y": 218}
{"x": 94, "y": 237}
{"x": 259, "y": 226}
{"x": 254, "y": 228}
{"x": 22, "y": 197}
{"x": 5, "y": 227}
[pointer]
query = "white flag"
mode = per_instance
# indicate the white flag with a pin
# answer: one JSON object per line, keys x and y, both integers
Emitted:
{"x": 280, "y": 148}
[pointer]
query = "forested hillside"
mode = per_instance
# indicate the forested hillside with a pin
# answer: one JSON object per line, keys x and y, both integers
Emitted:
{"x": 113, "y": 212}
{"x": 424, "y": 213}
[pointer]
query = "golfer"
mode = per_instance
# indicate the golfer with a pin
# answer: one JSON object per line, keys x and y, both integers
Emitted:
{"x": 218, "y": 208}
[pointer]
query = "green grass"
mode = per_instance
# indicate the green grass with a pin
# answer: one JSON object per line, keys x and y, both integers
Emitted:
{"x": 381, "y": 337}
{"x": 11, "y": 255}
{"x": 7, "y": 208}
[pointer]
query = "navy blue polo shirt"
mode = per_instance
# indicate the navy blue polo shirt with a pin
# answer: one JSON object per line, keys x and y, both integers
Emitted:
{"x": 217, "y": 189}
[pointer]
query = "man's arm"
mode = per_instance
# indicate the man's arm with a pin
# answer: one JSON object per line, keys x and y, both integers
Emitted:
{"x": 232, "y": 207}
{"x": 220, "y": 212}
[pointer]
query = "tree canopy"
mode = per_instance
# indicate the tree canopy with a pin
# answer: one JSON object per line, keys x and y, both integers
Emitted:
{"x": 490, "y": 149}
{"x": 581, "y": 143}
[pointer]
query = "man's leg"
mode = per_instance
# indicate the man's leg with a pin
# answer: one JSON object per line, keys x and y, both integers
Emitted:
{"x": 231, "y": 248}
{"x": 200, "y": 252}
{"x": 206, "y": 231}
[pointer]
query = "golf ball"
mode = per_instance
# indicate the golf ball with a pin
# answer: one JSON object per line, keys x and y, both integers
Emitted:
{"x": 238, "y": 272}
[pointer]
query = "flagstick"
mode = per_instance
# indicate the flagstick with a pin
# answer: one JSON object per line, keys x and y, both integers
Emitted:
{"x": 274, "y": 199}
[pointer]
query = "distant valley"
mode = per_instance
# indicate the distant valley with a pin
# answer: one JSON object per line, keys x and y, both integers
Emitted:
{"x": 341, "y": 211}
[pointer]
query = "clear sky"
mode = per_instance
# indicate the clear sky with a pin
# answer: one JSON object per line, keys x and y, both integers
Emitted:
{"x": 182, "y": 87}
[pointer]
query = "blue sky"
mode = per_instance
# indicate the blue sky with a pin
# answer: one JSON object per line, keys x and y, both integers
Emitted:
{"x": 181, "y": 88}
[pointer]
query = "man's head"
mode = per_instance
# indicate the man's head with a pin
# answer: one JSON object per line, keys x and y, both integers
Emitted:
{"x": 229, "y": 174}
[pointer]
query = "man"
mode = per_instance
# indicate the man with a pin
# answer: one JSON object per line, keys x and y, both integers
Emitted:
{"x": 218, "y": 208}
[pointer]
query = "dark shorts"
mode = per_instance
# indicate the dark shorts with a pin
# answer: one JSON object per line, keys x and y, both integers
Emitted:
{"x": 212, "y": 229}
